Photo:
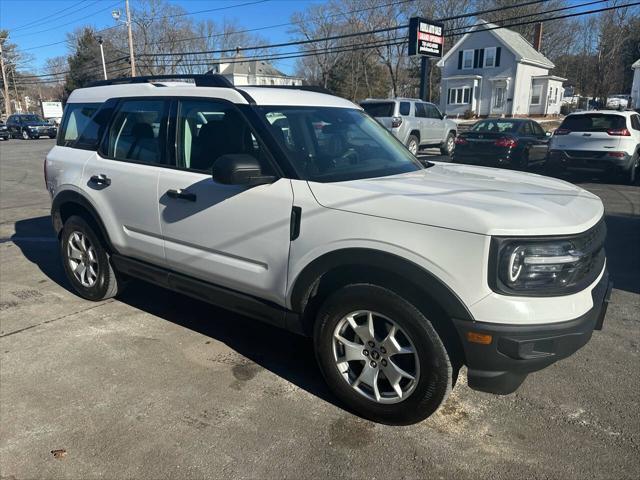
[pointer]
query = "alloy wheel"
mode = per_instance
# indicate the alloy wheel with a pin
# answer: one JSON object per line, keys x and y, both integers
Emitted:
{"x": 83, "y": 259}
{"x": 451, "y": 145}
{"x": 25, "y": 135}
{"x": 375, "y": 357}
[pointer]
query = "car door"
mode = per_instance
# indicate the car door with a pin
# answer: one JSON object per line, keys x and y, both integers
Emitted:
{"x": 121, "y": 179}
{"x": 422, "y": 121}
{"x": 12, "y": 125}
{"x": 234, "y": 236}
{"x": 542, "y": 141}
{"x": 436, "y": 123}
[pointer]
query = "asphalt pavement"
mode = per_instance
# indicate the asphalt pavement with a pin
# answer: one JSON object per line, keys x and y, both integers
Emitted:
{"x": 157, "y": 385}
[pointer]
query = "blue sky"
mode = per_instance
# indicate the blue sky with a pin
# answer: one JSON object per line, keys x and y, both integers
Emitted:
{"x": 17, "y": 13}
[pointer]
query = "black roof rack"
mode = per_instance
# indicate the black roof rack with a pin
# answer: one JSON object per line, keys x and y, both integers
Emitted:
{"x": 201, "y": 80}
{"x": 308, "y": 88}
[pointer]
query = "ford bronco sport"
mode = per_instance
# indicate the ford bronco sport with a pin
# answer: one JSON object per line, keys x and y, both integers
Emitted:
{"x": 297, "y": 208}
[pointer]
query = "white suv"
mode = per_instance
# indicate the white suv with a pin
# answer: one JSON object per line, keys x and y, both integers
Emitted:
{"x": 298, "y": 209}
{"x": 597, "y": 141}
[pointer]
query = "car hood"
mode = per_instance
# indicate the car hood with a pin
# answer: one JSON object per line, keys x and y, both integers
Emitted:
{"x": 481, "y": 200}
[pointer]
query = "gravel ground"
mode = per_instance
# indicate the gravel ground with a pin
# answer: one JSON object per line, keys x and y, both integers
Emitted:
{"x": 156, "y": 385}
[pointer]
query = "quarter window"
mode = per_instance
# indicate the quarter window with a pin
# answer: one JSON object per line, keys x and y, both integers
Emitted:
{"x": 76, "y": 117}
{"x": 635, "y": 122}
{"x": 490, "y": 57}
{"x": 405, "y": 108}
{"x": 136, "y": 132}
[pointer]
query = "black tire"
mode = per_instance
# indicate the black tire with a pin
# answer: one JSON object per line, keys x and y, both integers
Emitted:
{"x": 411, "y": 142}
{"x": 107, "y": 284}
{"x": 448, "y": 146}
{"x": 435, "y": 379}
{"x": 52, "y": 136}
{"x": 631, "y": 175}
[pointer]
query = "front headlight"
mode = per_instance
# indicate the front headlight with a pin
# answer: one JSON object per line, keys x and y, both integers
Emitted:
{"x": 547, "y": 266}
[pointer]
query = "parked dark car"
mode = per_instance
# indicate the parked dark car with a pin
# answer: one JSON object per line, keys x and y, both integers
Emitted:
{"x": 4, "y": 132}
{"x": 29, "y": 125}
{"x": 503, "y": 142}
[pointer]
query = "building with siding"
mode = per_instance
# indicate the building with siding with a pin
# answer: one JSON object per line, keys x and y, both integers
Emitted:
{"x": 496, "y": 72}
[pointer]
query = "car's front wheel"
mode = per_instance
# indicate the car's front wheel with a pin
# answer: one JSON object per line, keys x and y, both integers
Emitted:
{"x": 381, "y": 356}
{"x": 25, "y": 135}
{"x": 86, "y": 261}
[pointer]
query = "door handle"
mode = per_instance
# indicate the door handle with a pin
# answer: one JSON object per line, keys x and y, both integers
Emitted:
{"x": 181, "y": 194}
{"x": 101, "y": 179}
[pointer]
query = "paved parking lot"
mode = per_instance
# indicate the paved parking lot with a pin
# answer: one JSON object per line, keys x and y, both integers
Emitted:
{"x": 157, "y": 385}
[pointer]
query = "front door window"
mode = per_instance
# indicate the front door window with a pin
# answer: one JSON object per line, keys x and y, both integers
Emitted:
{"x": 498, "y": 98}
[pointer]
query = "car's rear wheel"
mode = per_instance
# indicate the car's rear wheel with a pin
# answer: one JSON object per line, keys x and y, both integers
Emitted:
{"x": 86, "y": 261}
{"x": 381, "y": 356}
{"x": 632, "y": 174}
{"x": 449, "y": 145}
{"x": 412, "y": 144}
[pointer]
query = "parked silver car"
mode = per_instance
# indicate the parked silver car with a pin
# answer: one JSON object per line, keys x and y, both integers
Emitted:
{"x": 414, "y": 122}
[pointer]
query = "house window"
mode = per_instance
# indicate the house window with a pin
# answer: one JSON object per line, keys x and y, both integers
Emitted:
{"x": 536, "y": 93}
{"x": 459, "y": 96}
{"x": 490, "y": 57}
{"x": 467, "y": 59}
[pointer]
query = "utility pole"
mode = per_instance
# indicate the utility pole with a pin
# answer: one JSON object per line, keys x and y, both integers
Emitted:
{"x": 104, "y": 66}
{"x": 131, "y": 58}
{"x": 5, "y": 84}
{"x": 425, "y": 71}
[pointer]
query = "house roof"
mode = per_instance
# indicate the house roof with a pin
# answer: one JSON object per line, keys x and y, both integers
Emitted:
{"x": 250, "y": 67}
{"x": 521, "y": 48}
{"x": 636, "y": 64}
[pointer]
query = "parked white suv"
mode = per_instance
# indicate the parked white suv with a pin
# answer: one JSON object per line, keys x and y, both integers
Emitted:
{"x": 298, "y": 209}
{"x": 416, "y": 123}
{"x": 597, "y": 141}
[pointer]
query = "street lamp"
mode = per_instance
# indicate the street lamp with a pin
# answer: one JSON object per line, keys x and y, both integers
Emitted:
{"x": 104, "y": 66}
{"x": 116, "y": 14}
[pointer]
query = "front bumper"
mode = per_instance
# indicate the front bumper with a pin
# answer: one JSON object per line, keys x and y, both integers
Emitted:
{"x": 588, "y": 161}
{"x": 4, "y": 133}
{"x": 516, "y": 350}
{"x": 35, "y": 132}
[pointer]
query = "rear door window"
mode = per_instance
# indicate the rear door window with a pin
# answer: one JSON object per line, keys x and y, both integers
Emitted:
{"x": 421, "y": 111}
{"x": 379, "y": 109}
{"x": 593, "y": 122}
{"x": 138, "y": 131}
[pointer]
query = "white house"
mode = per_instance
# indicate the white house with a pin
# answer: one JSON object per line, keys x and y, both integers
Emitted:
{"x": 498, "y": 73}
{"x": 253, "y": 72}
{"x": 635, "y": 86}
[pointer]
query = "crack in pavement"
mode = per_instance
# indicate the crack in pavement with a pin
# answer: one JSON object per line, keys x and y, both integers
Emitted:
{"x": 55, "y": 319}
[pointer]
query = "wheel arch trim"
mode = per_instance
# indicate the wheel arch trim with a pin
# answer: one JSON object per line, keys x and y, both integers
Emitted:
{"x": 303, "y": 286}
{"x": 73, "y": 197}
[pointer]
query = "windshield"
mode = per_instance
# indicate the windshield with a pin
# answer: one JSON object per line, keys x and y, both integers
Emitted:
{"x": 31, "y": 118}
{"x": 337, "y": 144}
{"x": 497, "y": 126}
{"x": 593, "y": 122}
{"x": 379, "y": 109}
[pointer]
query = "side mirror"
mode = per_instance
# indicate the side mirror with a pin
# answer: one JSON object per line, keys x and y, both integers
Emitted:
{"x": 444, "y": 117}
{"x": 239, "y": 169}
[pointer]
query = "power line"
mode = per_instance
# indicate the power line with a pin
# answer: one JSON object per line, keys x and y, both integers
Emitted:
{"x": 47, "y": 18}
{"x": 267, "y": 27}
{"x": 69, "y": 23}
{"x": 106, "y": 29}
{"x": 542, "y": 20}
